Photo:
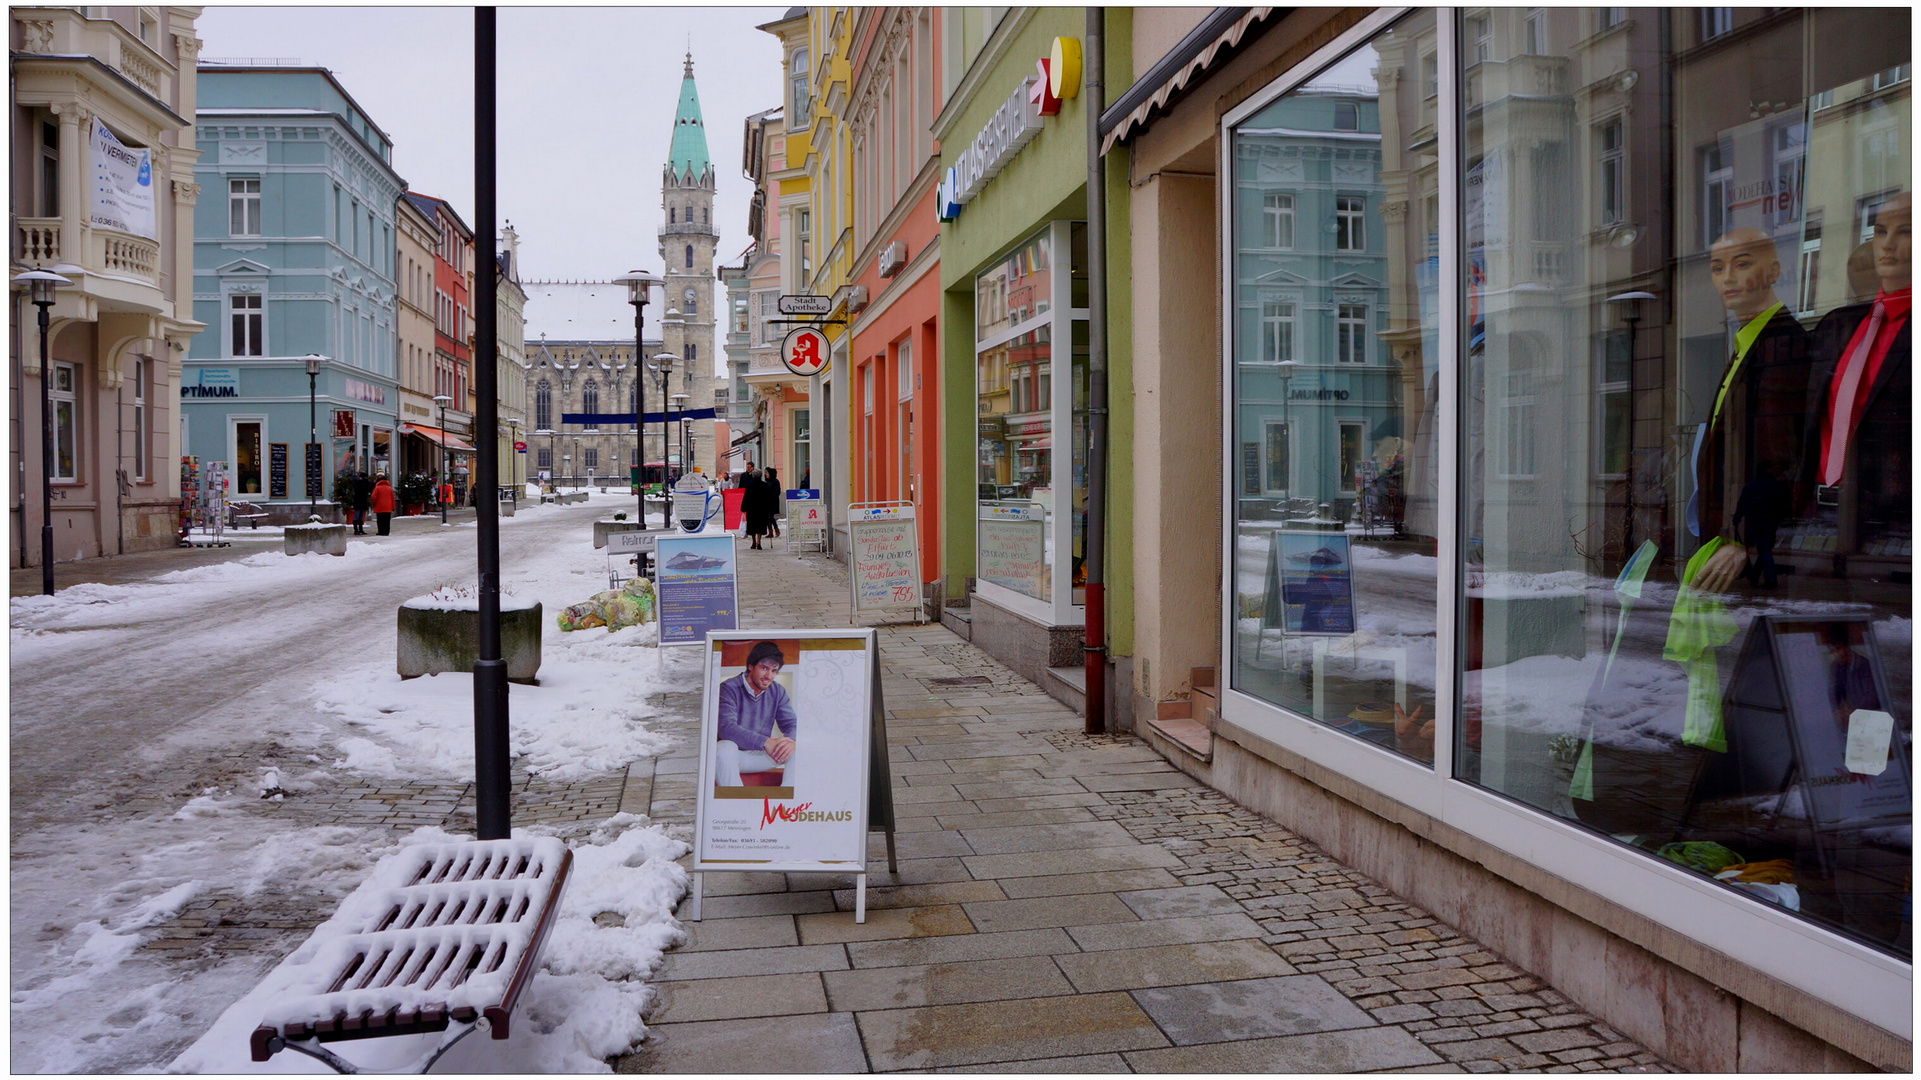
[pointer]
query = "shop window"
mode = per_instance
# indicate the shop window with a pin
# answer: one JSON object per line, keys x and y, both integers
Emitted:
{"x": 1336, "y": 601}
{"x": 1023, "y": 514}
{"x": 66, "y": 422}
{"x": 246, "y": 457}
{"x": 1686, "y": 509}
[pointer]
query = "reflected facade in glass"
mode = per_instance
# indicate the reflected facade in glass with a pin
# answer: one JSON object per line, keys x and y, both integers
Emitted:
{"x": 1687, "y": 508}
{"x": 1335, "y": 247}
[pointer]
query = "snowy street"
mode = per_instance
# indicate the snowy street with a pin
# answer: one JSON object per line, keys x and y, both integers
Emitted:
{"x": 202, "y": 764}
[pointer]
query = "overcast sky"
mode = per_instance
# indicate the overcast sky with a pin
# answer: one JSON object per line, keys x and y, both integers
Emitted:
{"x": 586, "y": 108}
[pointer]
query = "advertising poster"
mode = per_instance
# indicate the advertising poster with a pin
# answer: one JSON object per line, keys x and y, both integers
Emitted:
{"x": 806, "y": 518}
{"x": 786, "y": 724}
{"x": 122, "y": 186}
{"x": 1317, "y": 581}
{"x": 697, "y": 587}
{"x": 886, "y": 557}
{"x": 1013, "y": 548}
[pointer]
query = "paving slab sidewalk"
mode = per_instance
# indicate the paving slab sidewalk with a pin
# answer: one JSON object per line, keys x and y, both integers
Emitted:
{"x": 1066, "y": 903}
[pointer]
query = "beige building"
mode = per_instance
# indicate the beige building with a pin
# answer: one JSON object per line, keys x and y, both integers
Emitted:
{"x": 415, "y": 238}
{"x": 510, "y": 363}
{"x": 89, "y": 81}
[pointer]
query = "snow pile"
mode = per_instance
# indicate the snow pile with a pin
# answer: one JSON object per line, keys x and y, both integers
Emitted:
{"x": 584, "y": 718}
{"x": 583, "y": 1004}
{"x": 464, "y": 598}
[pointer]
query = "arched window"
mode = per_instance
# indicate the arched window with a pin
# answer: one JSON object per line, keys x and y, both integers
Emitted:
{"x": 543, "y": 406}
{"x": 690, "y": 256}
{"x": 590, "y": 401}
{"x": 703, "y": 215}
{"x": 670, "y": 215}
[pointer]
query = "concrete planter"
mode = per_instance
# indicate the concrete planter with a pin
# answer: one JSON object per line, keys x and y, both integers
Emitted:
{"x": 438, "y": 638}
{"x": 315, "y": 536}
{"x": 604, "y": 529}
{"x": 507, "y": 508}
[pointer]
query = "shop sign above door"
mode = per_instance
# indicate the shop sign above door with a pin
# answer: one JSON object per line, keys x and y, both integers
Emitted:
{"x": 1011, "y": 128}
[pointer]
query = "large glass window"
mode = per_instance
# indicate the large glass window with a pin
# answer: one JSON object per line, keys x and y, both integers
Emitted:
{"x": 1687, "y": 508}
{"x": 1021, "y": 330}
{"x": 1335, "y": 522}
{"x": 66, "y": 422}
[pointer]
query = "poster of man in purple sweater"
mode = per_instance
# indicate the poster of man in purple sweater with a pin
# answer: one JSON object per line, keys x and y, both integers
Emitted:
{"x": 758, "y": 729}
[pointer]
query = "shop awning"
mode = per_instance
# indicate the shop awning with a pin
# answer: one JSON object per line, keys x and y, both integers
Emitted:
{"x": 437, "y": 437}
{"x": 1219, "y": 37}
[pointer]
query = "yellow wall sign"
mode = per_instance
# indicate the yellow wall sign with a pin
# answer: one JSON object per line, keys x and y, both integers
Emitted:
{"x": 1064, "y": 68}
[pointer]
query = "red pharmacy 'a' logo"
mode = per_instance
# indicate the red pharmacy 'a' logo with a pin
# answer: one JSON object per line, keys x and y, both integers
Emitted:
{"x": 805, "y": 351}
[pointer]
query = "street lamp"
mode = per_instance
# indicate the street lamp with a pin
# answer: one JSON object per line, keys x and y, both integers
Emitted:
{"x": 663, "y": 367}
{"x": 314, "y": 361}
{"x": 638, "y": 282}
{"x": 513, "y": 457}
{"x": 680, "y": 414}
{"x": 446, "y": 470}
{"x": 576, "y": 457}
{"x": 41, "y": 284}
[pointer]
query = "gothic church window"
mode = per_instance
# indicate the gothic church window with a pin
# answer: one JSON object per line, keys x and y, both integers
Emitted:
{"x": 690, "y": 256}
{"x": 543, "y": 406}
{"x": 590, "y": 401}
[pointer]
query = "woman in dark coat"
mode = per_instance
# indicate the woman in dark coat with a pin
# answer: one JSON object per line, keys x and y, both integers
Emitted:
{"x": 772, "y": 480}
{"x": 758, "y": 505}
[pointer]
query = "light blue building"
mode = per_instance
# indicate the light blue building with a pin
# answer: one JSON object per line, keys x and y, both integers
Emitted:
{"x": 293, "y": 257}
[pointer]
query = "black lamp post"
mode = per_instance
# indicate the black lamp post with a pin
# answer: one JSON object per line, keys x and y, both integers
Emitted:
{"x": 513, "y": 458}
{"x": 638, "y": 282}
{"x": 313, "y": 433}
{"x": 41, "y": 284}
{"x": 663, "y": 367}
{"x": 680, "y": 415}
{"x": 446, "y": 470}
{"x": 570, "y": 468}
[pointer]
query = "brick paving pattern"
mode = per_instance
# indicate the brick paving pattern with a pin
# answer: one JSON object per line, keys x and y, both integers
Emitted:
{"x": 1065, "y": 903}
{"x": 1070, "y": 902}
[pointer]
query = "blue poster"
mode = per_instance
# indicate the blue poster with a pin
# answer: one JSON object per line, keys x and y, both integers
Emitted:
{"x": 698, "y": 588}
{"x": 1316, "y": 581}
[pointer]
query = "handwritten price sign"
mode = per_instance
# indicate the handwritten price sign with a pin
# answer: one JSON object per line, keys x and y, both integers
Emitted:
{"x": 886, "y": 559}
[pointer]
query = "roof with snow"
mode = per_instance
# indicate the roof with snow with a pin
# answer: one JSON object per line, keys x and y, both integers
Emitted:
{"x": 688, "y": 152}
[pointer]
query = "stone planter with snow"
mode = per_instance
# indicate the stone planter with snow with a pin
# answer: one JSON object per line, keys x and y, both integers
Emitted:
{"x": 315, "y": 536}
{"x": 507, "y": 507}
{"x": 604, "y": 529}
{"x": 441, "y": 632}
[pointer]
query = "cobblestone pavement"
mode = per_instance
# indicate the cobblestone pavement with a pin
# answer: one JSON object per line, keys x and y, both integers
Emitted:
{"x": 1069, "y": 902}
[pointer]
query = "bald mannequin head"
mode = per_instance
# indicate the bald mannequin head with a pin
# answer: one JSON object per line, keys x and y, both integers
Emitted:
{"x": 1744, "y": 266}
{"x": 1893, "y": 243}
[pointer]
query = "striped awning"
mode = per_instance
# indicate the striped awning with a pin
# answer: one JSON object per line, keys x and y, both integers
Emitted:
{"x": 1219, "y": 37}
{"x": 437, "y": 437}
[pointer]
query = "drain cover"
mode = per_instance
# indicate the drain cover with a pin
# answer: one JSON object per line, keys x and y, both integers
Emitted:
{"x": 960, "y": 680}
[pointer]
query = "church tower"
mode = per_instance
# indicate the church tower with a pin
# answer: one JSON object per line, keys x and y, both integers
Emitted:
{"x": 687, "y": 243}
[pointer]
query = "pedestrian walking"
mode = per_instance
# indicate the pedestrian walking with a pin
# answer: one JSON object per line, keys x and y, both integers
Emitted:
{"x": 758, "y": 504}
{"x": 746, "y": 476}
{"x": 363, "y": 494}
{"x": 771, "y": 478}
{"x": 381, "y": 498}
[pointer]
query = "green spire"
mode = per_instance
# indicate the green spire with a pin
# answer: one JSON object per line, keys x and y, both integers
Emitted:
{"x": 688, "y": 153}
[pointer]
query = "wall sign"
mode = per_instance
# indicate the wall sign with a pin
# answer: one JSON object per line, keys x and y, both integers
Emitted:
{"x": 798, "y": 304}
{"x": 1013, "y": 547}
{"x": 1011, "y": 128}
{"x": 804, "y": 351}
{"x": 371, "y": 393}
{"x": 277, "y": 470}
{"x": 806, "y": 517}
{"x": 314, "y": 470}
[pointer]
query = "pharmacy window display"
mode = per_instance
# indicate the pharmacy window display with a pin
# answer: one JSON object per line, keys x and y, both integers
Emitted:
{"x": 1678, "y": 329}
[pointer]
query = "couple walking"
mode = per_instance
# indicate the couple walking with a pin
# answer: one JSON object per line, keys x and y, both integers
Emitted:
{"x": 760, "y": 503}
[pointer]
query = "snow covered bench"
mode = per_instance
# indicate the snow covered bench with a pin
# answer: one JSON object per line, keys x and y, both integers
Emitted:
{"x": 441, "y": 938}
{"x": 251, "y": 513}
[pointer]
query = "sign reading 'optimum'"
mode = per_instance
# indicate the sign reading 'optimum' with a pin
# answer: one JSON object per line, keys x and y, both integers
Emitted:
{"x": 1012, "y": 127}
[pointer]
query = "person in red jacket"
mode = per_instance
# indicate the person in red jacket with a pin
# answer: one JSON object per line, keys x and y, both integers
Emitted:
{"x": 382, "y": 501}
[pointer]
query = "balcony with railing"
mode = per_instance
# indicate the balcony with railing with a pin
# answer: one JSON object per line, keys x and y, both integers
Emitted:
{"x": 36, "y": 241}
{"x": 686, "y": 228}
